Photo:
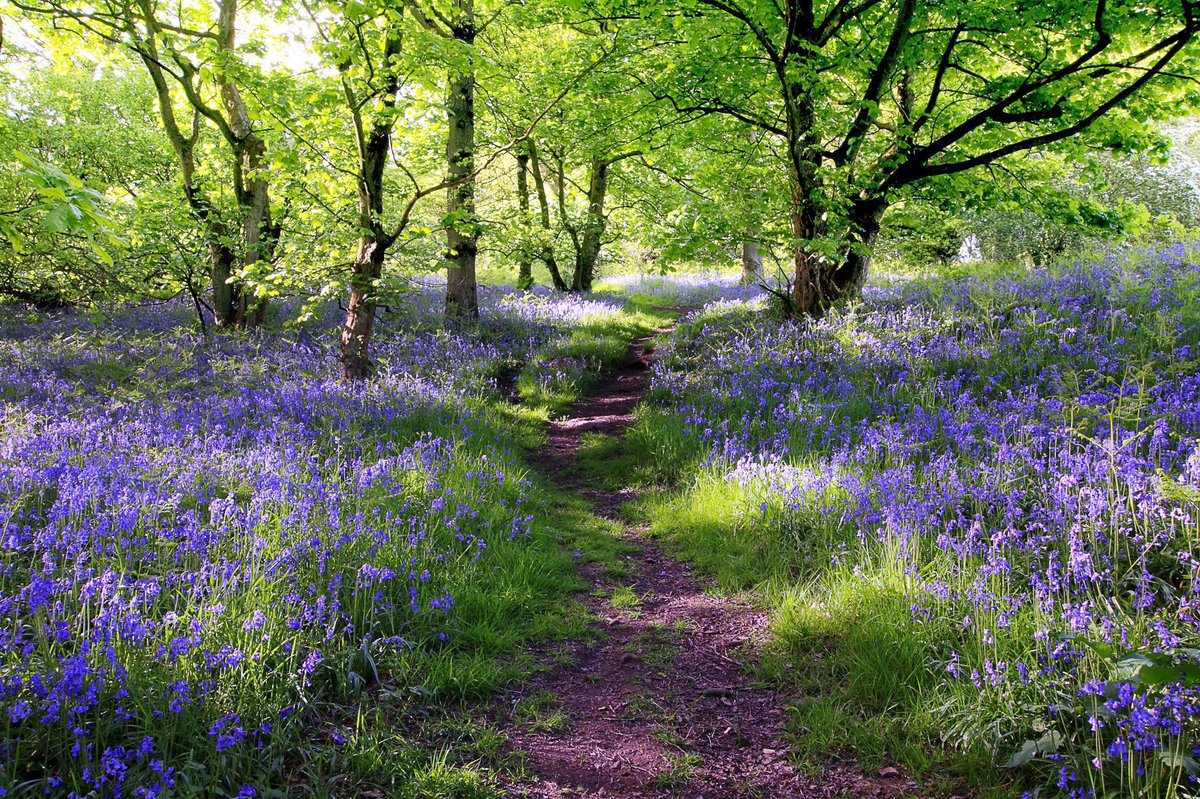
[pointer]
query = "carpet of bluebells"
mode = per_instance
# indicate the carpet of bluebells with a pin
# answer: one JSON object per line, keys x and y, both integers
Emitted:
{"x": 684, "y": 289}
{"x": 1018, "y": 458}
{"x": 202, "y": 537}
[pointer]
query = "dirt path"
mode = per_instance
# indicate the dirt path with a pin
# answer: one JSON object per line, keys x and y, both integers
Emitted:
{"x": 661, "y": 705}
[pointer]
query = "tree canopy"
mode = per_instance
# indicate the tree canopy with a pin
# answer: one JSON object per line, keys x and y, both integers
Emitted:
{"x": 282, "y": 147}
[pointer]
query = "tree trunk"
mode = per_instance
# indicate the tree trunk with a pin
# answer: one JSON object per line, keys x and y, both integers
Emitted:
{"x": 752, "y": 263}
{"x": 807, "y": 297}
{"x": 250, "y": 184}
{"x": 819, "y": 285}
{"x": 360, "y": 313}
{"x": 374, "y": 146}
{"x": 524, "y": 263}
{"x": 462, "y": 299}
{"x": 593, "y": 230}
{"x": 547, "y": 250}
{"x": 259, "y": 235}
{"x": 226, "y": 296}
{"x": 808, "y": 223}
{"x": 221, "y": 257}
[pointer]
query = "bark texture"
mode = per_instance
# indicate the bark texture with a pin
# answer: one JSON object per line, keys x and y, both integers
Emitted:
{"x": 374, "y": 141}
{"x": 524, "y": 262}
{"x": 361, "y": 310}
{"x": 251, "y": 186}
{"x": 592, "y": 239}
{"x": 752, "y": 263}
{"x": 462, "y": 299}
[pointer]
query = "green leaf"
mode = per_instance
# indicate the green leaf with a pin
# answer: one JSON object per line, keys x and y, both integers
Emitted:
{"x": 59, "y": 219}
{"x": 1023, "y": 756}
{"x": 1179, "y": 760}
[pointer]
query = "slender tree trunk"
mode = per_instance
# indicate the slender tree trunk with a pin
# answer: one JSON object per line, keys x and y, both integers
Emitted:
{"x": 752, "y": 263}
{"x": 259, "y": 235}
{"x": 547, "y": 251}
{"x": 221, "y": 257}
{"x": 251, "y": 186}
{"x": 593, "y": 230}
{"x": 462, "y": 299}
{"x": 524, "y": 263}
{"x": 808, "y": 298}
{"x": 367, "y": 266}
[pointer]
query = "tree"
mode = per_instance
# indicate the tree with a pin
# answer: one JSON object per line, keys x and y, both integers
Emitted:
{"x": 605, "y": 120}
{"x": 365, "y": 43}
{"x": 458, "y": 25}
{"x": 872, "y": 98}
{"x": 382, "y": 53}
{"x": 193, "y": 51}
{"x": 81, "y": 158}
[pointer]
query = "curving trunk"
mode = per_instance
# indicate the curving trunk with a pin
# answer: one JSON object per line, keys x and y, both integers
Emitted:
{"x": 374, "y": 147}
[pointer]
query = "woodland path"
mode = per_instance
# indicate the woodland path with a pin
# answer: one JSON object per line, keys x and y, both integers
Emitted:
{"x": 660, "y": 703}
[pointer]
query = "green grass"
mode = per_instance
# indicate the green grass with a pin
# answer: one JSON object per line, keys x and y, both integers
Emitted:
{"x": 653, "y": 456}
{"x": 657, "y": 646}
{"x": 678, "y": 770}
{"x": 538, "y": 713}
{"x": 436, "y": 694}
{"x": 861, "y": 677}
{"x": 562, "y": 374}
{"x": 418, "y": 733}
{"x": 625, "y": 598}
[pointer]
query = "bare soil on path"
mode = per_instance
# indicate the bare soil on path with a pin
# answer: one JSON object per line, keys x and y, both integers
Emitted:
{"x": 660, "y": 703}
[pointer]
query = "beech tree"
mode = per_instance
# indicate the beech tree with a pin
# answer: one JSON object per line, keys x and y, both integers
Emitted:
{"x": 192, "y": 51}
{"x": 457, "y": 25}
{"x": 366, "y": 44}
{"x": 869, "y": 98}
{"x": 569, "y": 157}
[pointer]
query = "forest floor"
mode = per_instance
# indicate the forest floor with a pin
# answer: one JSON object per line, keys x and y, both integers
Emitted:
{"x": 660, "y": 699}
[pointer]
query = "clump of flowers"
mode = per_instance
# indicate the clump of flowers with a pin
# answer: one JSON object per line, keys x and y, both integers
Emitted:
{"x": 1021, "y": 452}
{"x": 198, "y": 536}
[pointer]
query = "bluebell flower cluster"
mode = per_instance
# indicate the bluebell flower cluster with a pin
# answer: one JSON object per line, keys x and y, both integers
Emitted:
{"x": 198, "y": 534}
{"x": 1019, "y": 457}
{"x": 687, "y": 290}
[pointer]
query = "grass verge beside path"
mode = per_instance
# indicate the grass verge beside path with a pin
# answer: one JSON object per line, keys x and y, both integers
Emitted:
{"x": 562, "y": 374}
